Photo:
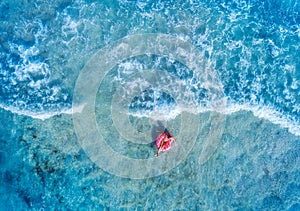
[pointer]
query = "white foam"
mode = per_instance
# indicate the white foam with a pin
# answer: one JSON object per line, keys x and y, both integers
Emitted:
{"x": 168, "y": 113}
{"x": 27, "y": 69}
{"x": 164, "y": 113}
{"x": 268, "y": 113}
{"x": 42, "y": 115}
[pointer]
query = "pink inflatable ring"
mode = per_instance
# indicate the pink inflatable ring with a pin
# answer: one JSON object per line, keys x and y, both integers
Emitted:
{"x": 163, "y": 142}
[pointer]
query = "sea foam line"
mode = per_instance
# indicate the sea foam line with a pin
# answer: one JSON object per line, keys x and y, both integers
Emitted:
{"x": 43, "y": 115}
{"x": 268, "y": 113}
{"x": 262, "y": 112}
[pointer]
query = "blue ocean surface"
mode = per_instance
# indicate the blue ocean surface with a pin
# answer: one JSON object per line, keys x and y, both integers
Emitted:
{"x": 240, "y": 95}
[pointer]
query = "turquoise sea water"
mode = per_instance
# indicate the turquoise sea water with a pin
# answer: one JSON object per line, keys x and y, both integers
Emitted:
{"x": 242, "y": 90}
